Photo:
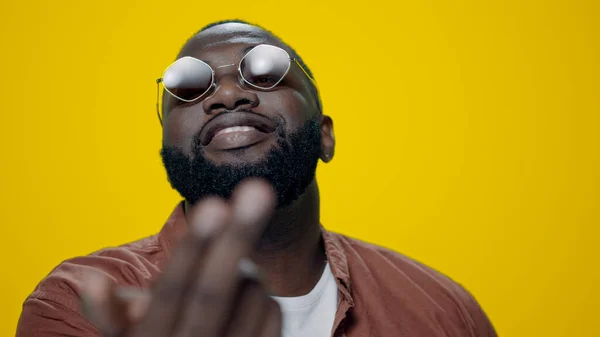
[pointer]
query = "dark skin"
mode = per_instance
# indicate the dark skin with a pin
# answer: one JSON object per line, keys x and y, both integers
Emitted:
{"x": 202, "y": 291}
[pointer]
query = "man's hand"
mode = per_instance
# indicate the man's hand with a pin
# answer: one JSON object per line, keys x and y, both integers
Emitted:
{"x": 209, "y": 287}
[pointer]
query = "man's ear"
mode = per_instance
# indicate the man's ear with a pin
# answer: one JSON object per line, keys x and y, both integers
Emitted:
{"x": 327, "y": 139}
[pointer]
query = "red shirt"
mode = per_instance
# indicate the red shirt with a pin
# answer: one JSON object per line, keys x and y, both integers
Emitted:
{"x": 381, "y": 293}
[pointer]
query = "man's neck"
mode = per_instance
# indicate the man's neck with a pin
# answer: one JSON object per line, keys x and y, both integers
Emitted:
{"x": 291, "y": 253}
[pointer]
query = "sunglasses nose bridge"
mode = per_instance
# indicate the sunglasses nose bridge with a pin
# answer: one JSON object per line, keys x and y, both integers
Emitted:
{"x": 226, "y": 65}
{"x": 228, "y": 81}
{"x": 224, "y": 71}
{"x": 227, "y": 71}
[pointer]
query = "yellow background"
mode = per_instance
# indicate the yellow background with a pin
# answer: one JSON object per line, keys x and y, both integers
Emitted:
{"x": 468, "y": 138}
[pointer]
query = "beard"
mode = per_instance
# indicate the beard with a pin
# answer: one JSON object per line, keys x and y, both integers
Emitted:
{"x": 289, "y": 166}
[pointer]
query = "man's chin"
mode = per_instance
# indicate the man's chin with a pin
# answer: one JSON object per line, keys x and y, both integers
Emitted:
{"x": 289, "y": 165}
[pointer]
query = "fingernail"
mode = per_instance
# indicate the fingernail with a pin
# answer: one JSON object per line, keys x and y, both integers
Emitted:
{"x": 256, "y": 200}
{"x": 212, "y": 214}
{"x": 205, "y": 228}
{"x": 137, "y": 300}
{"x": 249, "y": 269}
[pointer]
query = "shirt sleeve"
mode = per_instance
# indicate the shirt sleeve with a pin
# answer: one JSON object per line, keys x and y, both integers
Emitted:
{"x": 53, "y": 309}
{"x": 47, "y": 318}
{"x": 479, "y": 323}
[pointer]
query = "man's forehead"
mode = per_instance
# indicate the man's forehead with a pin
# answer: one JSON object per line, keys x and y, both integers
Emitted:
{"x": 229, "y": 35}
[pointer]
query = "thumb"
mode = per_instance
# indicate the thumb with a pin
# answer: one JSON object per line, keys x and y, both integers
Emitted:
{"x": 135, "y": 302}
{"x": 101, "y": 306}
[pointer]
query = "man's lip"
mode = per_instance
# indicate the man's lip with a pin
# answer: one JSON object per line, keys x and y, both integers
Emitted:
{"x": 232, "y": 119}
{"x": 237, "y": 139}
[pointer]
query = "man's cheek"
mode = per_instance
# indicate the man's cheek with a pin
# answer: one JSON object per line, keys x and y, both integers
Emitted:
{"x": 286, "y": 105}
{"x": 181, "y": 137}
{"x": 180, "y": 129}
{"x": 294, "y": 106}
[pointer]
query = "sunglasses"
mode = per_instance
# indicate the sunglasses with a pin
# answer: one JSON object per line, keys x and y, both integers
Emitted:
{"x": 189, "y": 79}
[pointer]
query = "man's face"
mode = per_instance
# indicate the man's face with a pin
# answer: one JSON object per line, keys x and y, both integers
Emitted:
{"x": 285, "y": 140}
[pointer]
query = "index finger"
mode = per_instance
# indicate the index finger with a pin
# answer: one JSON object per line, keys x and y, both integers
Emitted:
{"x": 180, "y": 274}
{"x": 252, "y": 206}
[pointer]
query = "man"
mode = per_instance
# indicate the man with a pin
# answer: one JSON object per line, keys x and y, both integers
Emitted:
{"x": 245, "y": 254}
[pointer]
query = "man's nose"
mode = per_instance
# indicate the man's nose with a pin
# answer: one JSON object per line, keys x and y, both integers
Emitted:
{"x": 230, "y": 95}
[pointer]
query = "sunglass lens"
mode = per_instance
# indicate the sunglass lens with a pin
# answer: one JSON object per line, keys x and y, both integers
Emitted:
{"x": 188, "y": 78}
{"x": 265, "y": 66}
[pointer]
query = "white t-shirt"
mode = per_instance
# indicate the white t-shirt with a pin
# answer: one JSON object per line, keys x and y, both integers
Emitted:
{"x": 311, "y": 315}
